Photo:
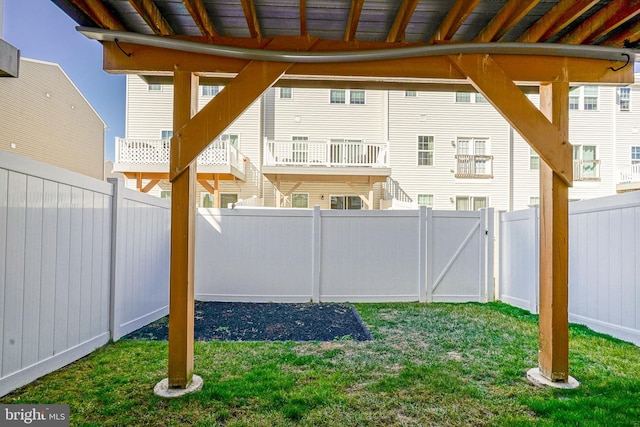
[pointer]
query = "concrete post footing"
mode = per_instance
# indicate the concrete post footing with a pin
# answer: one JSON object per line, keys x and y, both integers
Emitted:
{"x": 162, "y": 388}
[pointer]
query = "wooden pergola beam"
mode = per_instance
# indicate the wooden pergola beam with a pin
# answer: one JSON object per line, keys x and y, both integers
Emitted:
{"x": 490, "y": 80}
{"x": 303, "y": 18}
{"x": 250, "y": 15}
{"x": 553, "y": 357}
{"x": 149, "y": 185}
{"x": 458, "y": 13}
{"x": 554, "y": 21}
{"x": 352, "y": 21}
{"x": 632, "y": 33}
{"x": 604, "y": 21}
{"x": 152, "y": 16}
{"x": 521, "y": 69}
{"x": 99, "y": 14}
{"x": 201, "y": 17}
{"x": 397, "y": 31}
{"x": 510, "y": 14}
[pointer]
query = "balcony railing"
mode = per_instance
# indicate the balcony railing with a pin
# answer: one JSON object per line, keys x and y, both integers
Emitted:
{"x": 325, "y": 153}
{"x": 474, "y": 166}
{"x": 157, "y": 152}
{"x": 629, "y": 174}
{"x": 586, "y": 170}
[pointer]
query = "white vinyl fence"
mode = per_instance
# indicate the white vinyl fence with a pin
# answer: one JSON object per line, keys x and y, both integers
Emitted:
{"x": 316, "y": 255}
{"x": 604, "y": 267}
{"x": 56, "y": 280}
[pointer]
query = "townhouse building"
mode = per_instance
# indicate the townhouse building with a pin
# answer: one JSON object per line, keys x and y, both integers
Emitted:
{"x": 361, "y": 149}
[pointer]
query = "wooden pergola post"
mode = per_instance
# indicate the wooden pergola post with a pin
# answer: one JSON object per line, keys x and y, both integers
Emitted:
{"x": 183, "y": 205}
{"x": 554, "y": 247}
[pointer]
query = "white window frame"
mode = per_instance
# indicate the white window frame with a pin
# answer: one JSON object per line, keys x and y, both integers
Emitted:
{"x": 410, "y": 93}
{"x": 166, "y": 134}
{"x": 473, "y": 98}
{"x": 285, "y": 91}
{"x": 635, "y": 154}
{"x": 154, "y": 87}
{"x": 347, "y": 96}
{"x": 221, "y": 195}
{"x": 428, "y": 196}
{"x": 346, "y": 203}
{"x": 432, "y": 150}
{"x": 534, "y": 159}
{"x": 472, "y": 202}
{"x": 624, "y": 98}
{"x": 578, "y": 98}
{"x": 534, "y": 200}
{"x": 207, "y": 88}
{"x": 165, "y": 194}
{"x": 293, "y": 195}
{"x": 226, "y": 137}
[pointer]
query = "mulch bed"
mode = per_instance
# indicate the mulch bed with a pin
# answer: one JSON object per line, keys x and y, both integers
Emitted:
{"x": 238, "y": 321}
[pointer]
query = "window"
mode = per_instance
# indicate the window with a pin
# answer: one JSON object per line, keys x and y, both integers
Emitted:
{"x": 356, "y": 97}
{"x": 206, "y": 200}
{"x": 635, "y": 155}
{"x": 410, "y": 93}
{"x": 210, "y": 90}
{"x": 425, "y": 200}
{"x": 226, "y": 198}
{"x": 624, "y": 95}
{"x": 574, "y": 99}
{"x": 534, "y": 200}
{"x": 154, "y": 88}
{"x": 231, "y": 138}
{"x": 466, "y": 203}
{"x": 585, "y": 164}
{"x": 165, "y": 194}
{"x": 463, "y": 97}
{"x": 473, "y": 159}
{"x": 337, "y": 96}
{"x": 166, "y": 134}
{"x": 590, "y": 98}
{"x": 285, "y": 93}
{"x": 300, "y": 200}
{"x": 467, "y": 97}
{"x": 346, "y": 202}
{"x": 534, "y": 160}
{"x": 425, "y": 150}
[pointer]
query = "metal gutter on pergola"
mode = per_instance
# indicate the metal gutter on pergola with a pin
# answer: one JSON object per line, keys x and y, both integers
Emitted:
{"x": 493, "y": 47}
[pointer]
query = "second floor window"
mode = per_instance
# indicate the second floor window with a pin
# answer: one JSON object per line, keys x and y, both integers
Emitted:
{"x": 585, "y": 98}
{"x": 624, "y": 98}
{"x": 166, "y": 134}
{"x": 534, "y": 160}
{"x": 586, "y": 166}
{"x": 337, "y": 96}
{"x": 425, "y": 150}
{"x": 410, "y": 93}
{"x": 154, "y": 88}
{"x": 635, "y": 155}
{"x": 590, "y": 98}
{"x": 285, "y": 93}
{"x": 473, "y": 158}
{"x": 344, "y": 96}
{"x": 210, "y": 90}
{"x": 356, "y": 97}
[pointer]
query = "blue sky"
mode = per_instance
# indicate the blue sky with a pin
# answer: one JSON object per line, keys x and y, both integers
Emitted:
{"x": 43, "y": 31}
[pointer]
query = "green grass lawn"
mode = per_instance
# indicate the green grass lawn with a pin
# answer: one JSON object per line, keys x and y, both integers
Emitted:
{"x": 435, "y": 364}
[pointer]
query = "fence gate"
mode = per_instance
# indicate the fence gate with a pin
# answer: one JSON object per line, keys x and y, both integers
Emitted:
{"x": 460, "y": 256}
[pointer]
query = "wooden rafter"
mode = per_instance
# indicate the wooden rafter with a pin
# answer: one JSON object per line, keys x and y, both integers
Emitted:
{"x": 556, "y": 19}
{"x": 210, "y": 188}
{"x": 201, "y": 17}
{"x": 632, "y": 33}
{"x": 99, "y": 14}
{"x": 458, "y": 13}
{"x": 152, "y": 16}
{"x": 510, "y": 14}
{"x": 604, "y": 21}
{"x": 500, "y": 90}
{"x": 149, "y": 185}
{"x": 303, "y": 18}
{"x": 249, "y": 9}
{"x": 354, "y": 18}
{"x": 396, "y": 33}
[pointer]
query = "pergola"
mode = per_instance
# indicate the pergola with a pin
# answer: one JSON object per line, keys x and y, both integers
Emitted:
{"x": 494, "y": 47}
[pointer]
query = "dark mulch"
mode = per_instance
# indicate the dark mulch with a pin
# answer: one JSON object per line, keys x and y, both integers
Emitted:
{"x": 239, "y": 321}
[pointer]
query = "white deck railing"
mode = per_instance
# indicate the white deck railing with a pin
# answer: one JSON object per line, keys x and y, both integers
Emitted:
{"x": 629, "y": 174}
{"x": 157, "y": 152}
{"x": 325, "y": 153}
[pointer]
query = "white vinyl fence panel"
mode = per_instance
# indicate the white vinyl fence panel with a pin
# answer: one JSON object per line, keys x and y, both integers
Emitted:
{"x": 141, "y": 258}
{"x": 80, "y": 262}
{"x": 54, "y": 268}
{"x": 359, "y": 256}
{"x": 604, "y": 271}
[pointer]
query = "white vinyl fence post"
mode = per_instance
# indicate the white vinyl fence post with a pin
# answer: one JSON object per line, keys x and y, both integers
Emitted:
{"x": 422, "y": 257}
{"x": 534, "y": 233}
{"x": 117, "y": 267}
{"x": 429, "y": 253}
{"x": 489, "y": 240}
{"x": 316, "y": 248}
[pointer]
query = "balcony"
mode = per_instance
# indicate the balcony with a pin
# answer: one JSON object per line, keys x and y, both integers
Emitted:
{"x": 628, "y": 178}
{"x": 586, "y": 170}
{"x": 342, "y": 160}
{"x": 474, "y": 166}
{"x": 152, "y": 156}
